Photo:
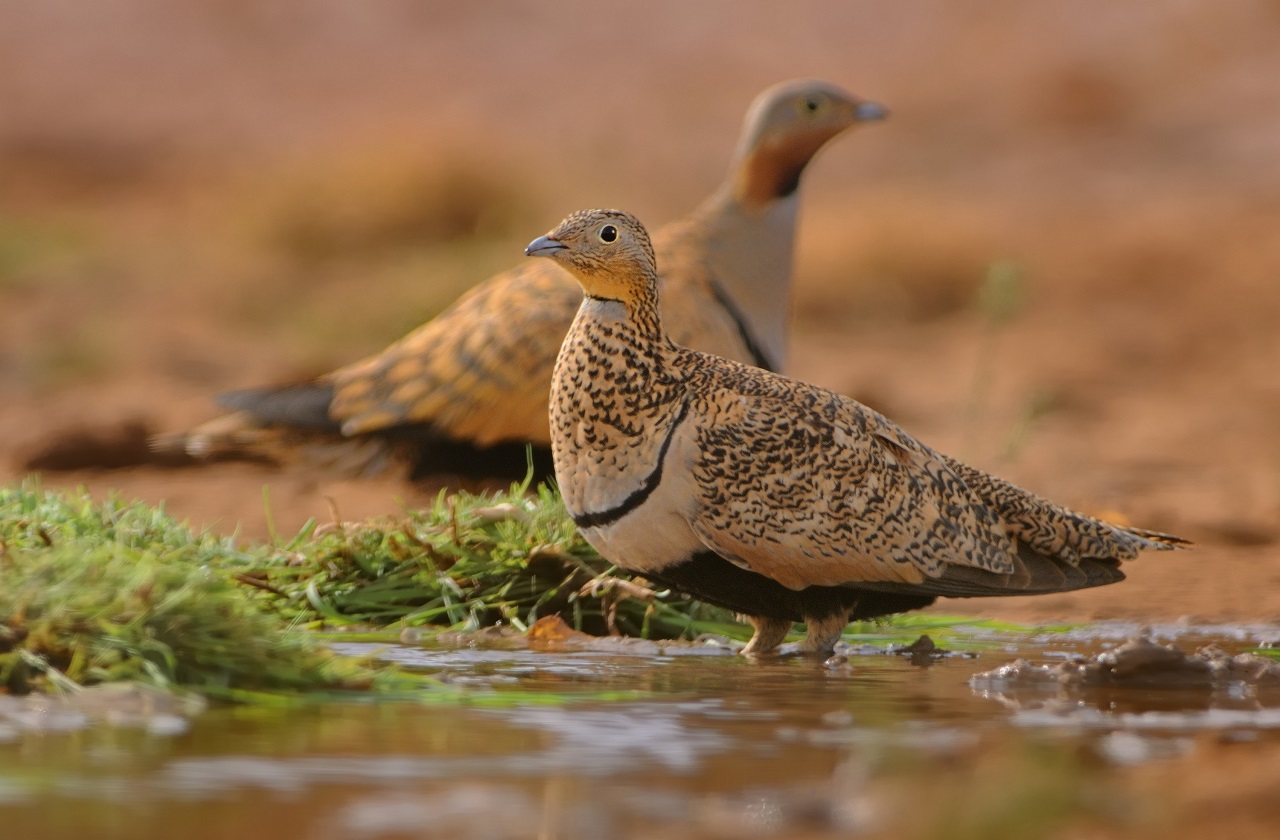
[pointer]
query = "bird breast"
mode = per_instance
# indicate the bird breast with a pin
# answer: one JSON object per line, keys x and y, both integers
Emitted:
{"x": 655, "y": 534}
{"x": 621, "y": 444}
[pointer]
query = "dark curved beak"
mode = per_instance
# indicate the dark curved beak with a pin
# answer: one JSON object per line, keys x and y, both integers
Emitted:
{"x": 544, "y": 246}
{"x": 869, "y": 112}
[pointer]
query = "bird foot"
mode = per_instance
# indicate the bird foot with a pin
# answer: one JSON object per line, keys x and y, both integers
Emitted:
{"x": 769, "y": 634}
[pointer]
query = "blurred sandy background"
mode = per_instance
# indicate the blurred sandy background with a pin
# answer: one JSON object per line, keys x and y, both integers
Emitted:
{"x": 1060, "y": 259}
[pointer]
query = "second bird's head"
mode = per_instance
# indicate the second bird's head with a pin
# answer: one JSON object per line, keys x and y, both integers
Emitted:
{"x": 607, "y": 251}
{"x": 785, "y": 127}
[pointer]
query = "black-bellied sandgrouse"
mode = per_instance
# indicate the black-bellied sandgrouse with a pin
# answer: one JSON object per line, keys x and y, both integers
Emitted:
{"x": 770, "y": 497}
{"x": 467, "y": 391}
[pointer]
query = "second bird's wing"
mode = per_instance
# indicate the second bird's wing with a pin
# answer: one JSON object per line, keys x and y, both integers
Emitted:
{"x": 480, "y": 371}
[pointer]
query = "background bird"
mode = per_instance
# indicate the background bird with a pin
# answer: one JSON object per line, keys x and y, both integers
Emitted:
{"x": 772, "y": 497}
{"x": 466, "y": 393}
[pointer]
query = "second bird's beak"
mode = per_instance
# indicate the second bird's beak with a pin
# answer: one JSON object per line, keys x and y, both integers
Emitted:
{"x": 544, "y": 246}
{"x": 869, "y": 111}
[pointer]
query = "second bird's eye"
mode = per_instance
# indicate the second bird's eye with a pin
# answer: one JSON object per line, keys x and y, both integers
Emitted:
{"x": 811, "y": 105}
{"x": 608, "y": 233}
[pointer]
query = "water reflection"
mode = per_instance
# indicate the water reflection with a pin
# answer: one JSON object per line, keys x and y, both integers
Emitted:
{"x": 620, "y": 746}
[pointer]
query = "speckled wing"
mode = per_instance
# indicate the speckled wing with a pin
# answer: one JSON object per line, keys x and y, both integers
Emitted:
{"x": 479, "y": 371}
{"x": 808, "y": 487}
{"x": 1058, "y": 532}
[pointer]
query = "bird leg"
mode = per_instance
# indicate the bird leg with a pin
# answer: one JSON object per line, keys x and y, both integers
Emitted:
{"x": 825, "y": 632}
{"x": 769, "y": 634}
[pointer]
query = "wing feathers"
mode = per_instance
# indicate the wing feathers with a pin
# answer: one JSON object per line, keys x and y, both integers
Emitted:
{"x": 842, "y": 493}
{"x": 810, "y": 488}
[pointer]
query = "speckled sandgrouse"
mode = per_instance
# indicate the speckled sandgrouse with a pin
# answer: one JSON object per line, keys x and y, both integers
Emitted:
{"x": 465, "y": 392}
{"x": 771, "y": 497}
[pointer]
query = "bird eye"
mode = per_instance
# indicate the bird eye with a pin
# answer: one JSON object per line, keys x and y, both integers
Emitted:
{"x": 608, "y": 233}
{"x": 811, "y": 105}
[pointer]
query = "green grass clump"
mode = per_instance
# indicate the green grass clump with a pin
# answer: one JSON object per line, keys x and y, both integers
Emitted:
{"x": 93, "y": 593}
{"x": 96, "y": 592}
{"x": 32, "y": 519}
{"x": 467, "y": 562}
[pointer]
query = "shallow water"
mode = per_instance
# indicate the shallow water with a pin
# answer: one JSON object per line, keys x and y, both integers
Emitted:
{"x": 595, "y": 745}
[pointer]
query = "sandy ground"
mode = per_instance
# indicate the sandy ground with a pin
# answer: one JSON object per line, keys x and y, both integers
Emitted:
{"x": 198, "y": 198}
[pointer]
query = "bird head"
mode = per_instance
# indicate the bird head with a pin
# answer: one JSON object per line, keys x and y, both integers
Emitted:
{"x": 608, "y": 251}
{"x": 785, "y": 127}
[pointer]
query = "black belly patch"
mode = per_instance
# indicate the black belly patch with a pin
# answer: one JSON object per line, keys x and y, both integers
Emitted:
{"x": 709, "y": 577}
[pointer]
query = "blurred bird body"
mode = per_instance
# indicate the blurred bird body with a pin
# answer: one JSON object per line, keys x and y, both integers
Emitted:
{"x": 773, "y": 497}
{"x": 468, "y": 390}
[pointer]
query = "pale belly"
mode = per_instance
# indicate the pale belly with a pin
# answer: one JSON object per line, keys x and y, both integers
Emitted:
{"x": 657, "y": 533}
{"x": 640, "y": 542}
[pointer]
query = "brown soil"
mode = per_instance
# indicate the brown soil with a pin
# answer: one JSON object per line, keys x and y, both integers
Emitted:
{"x": 174, "y": 181}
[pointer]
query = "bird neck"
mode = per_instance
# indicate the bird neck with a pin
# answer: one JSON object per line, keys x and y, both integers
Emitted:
{"x": 766, "y": 172}
{"x": 752, "y": 243}
{"x": 616, "y": 367}
{"x": 628, "y": 314}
